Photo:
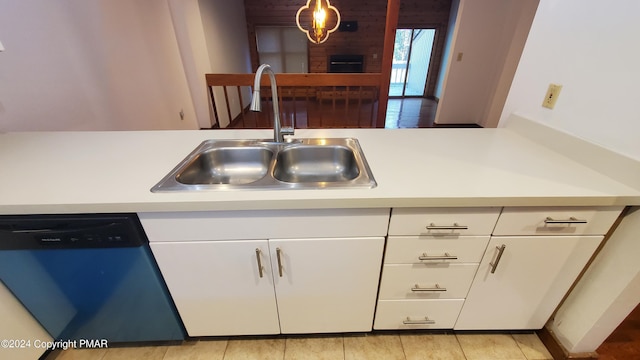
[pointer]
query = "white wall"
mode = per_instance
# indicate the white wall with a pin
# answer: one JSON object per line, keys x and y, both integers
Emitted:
{"x": 448, "y": 45}
{"x": 212, "y": 37}
{"x": 187, "y": 22}
{"x": 91, "y": 65}
{"x": 518, "y": 21}
{"x": 489, "y": 34}
{"x": 227, "y": 42}
{"x": 590, "y": 48}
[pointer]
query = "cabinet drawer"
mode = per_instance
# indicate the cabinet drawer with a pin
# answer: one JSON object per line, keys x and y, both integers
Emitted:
{"x": 417, "y": 314}
{"x": 443, "y": 221}
{"x": 430, "y": 250}
{"x": 556, "y": 220}
{"x": 422, "y": 281}
{"x": 263, "y": 224}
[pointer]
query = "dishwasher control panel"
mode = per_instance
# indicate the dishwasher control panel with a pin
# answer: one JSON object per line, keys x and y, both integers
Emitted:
{"x": 68, "y": 231}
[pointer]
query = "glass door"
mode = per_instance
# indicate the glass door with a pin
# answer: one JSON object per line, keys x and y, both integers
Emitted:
{"x": 411, "y": 57}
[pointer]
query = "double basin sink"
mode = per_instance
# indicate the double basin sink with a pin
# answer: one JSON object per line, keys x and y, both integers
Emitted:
{"x": 264, "y": 164}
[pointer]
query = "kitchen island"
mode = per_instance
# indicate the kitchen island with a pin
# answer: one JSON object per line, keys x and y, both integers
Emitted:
{"x": 473, "y": 191}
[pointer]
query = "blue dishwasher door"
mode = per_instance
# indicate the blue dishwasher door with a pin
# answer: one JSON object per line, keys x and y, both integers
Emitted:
{"x": 115, "y": 294}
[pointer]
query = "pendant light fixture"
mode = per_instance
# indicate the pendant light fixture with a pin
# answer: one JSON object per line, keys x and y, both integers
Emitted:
{"x": 319, "y": 16}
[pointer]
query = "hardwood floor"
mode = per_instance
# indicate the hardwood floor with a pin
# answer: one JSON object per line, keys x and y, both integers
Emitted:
{"x": 624, "y": 342}
{"x": 416, "y": 113}
{"x": 410, "y": 113}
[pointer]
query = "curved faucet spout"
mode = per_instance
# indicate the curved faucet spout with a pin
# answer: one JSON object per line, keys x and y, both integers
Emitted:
{"x": 278, "y": 135}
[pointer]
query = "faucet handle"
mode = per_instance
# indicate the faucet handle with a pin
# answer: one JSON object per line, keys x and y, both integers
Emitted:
{"x": 287, "y": 130}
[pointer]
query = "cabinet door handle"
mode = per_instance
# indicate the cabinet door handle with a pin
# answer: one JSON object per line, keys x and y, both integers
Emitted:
{"x": 446, "y": 256}
{"x": 425, "y": 321}
{"x": 259, "y": 259}
{"x": 571, "y": 220}
{"x": 455, "y": 226}
{"x": 494, "y": 265}
{"x": 279, "y": 257}
{"x": 437, "y": 287}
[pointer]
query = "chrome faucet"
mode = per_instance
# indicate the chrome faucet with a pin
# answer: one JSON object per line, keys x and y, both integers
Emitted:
{"x": 278, "y": 130}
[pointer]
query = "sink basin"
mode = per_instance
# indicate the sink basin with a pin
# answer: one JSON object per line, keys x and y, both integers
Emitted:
{"x": 316, "y": 163}
{"x": 266, "y": 165}
{"x": 227, "y": 165}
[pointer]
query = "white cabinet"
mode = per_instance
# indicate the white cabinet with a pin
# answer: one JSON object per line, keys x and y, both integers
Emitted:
{"x": 533, "y": 258}
{"x": 556, "y": 220}
{"x": 443, "y": 221}
{"x": 327, "y": 285}
{"x": 264, "y": 224}
{"x": 417, "y": 314}
{"x": 431, "y": 258}
{"x": 423, "y": 281}
{"x": 217, "y": 287}
{"x": 227, "y": 287}
{"x": 317, "y": 271}
{"x": 282, "y": 282}
{"x": 530, "y": 278}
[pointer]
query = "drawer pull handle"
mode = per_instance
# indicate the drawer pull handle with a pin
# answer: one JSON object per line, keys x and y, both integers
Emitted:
{"x": 446, "y": 256}
{"x": 259, "y": 258}
{"x": 494, "y": 265}
{"x": 426, "y": 321}
{"x": 571, "y": 220}
{"x": 455, "y": 226}
{"x": 279, "y": 257}
{"x": 437, "y": 287}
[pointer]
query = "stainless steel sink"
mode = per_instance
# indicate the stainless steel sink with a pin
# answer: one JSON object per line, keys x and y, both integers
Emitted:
{"x": 264, "y": 164}
{"x": 316, "y": 163}
{"x": 227, "y": 165}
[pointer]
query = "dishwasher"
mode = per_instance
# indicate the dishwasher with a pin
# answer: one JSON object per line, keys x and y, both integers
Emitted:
{"x": 87, "y": 276}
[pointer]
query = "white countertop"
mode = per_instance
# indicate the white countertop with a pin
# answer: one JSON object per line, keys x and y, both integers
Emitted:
{"x": 69, "y": 172}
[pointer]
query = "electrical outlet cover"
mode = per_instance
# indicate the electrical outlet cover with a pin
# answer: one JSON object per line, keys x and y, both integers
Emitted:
{"x": 551, "y": 97}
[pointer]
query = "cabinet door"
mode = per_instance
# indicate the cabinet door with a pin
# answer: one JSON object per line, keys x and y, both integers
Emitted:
{"x": 530, "y": 279}
{"x": 326, "y": 285}
{"x": 217, "y": 287}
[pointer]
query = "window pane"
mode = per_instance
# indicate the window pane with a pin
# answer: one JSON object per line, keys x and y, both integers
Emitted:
{"x": 419, "y": 63}
{"x": 296, "y": 63}
{"x": 273, "y": 59}
{"x": 284, "y": 48}
{"x": 268, "y": 39}
{"x": 294, "y": 40}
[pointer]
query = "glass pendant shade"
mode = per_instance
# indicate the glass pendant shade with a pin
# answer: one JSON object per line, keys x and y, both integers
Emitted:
{"x": 313, "y": 20}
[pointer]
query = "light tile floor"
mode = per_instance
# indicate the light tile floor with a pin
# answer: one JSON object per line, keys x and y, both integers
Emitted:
{"x": 400, "y": 346}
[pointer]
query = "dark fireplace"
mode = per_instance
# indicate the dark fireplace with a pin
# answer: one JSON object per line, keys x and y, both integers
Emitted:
{"x": 346, "y": 64}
